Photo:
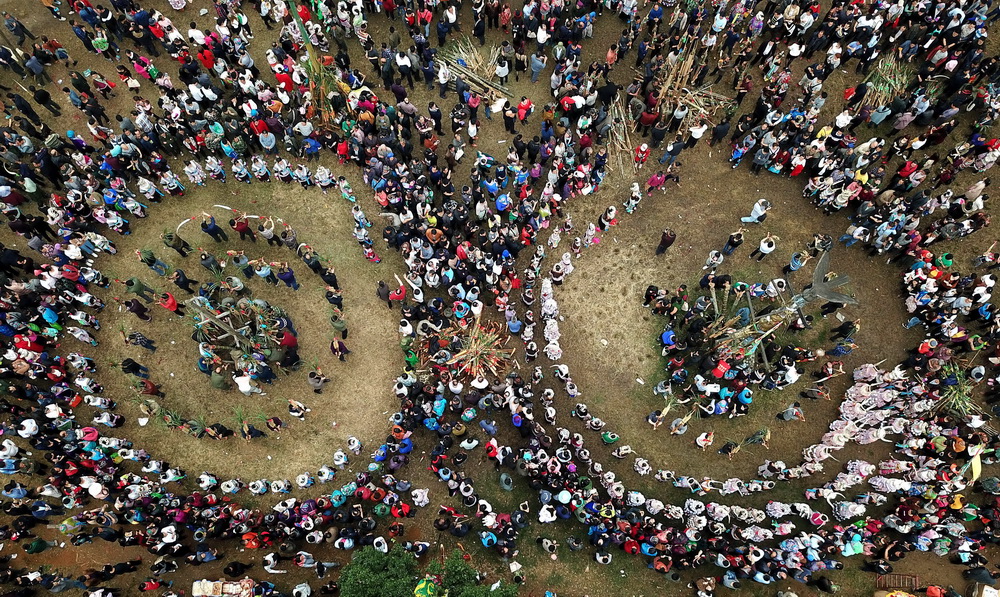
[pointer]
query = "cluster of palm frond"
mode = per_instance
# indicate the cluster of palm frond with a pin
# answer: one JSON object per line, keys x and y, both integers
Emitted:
{"x": 483, "y": 350}
{"x": 956, "y": 391}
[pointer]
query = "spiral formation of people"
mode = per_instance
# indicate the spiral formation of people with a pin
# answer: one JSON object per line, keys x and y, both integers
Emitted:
{"x": 556, "y": 371}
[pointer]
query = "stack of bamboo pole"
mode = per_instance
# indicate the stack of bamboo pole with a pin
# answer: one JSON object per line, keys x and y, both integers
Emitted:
{"x": 619, "y": 139}
{"x": 466, "y": 61}
{"x": 676, "y": 86}
{"x": 888, "y": 79}
{"x": 483, "y": 351}
{"x": 462, "y": 50}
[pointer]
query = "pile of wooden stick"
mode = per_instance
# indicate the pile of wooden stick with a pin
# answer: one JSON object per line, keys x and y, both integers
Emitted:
{"x": 676, "y": 86}
{"x": 620, "y": 140}
{"x": 463, "y": 51}
{"x": 889, "y": 78}
{"x": 483, "y": 351}
{"x": 476, "y": 68}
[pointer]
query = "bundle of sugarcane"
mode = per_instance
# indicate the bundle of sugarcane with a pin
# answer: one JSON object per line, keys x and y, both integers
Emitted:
{"x": 148, "y": 406}
{"x": 669, "y": 402}
{"x": 195, "y": 427}
{"x": 171, "y": 418}
{"x": 933, "y": 87}
{"x": 483, "y": 351}
{"x": 760, "y": 438}
{"x": 889, "y": 78}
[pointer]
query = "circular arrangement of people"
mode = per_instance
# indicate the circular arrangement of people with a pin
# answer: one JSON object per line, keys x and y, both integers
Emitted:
{"x": 377, "y": 298}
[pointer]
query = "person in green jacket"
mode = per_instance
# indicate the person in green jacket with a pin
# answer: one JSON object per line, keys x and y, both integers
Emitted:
{"x": 152, "y": 261}
{"x": 175, "y": 242}
{"x": 38, "y": 545}
{"x": 136, "y": 287}
{"x": 339, "y": 325}
{"x": 219, "y": 379}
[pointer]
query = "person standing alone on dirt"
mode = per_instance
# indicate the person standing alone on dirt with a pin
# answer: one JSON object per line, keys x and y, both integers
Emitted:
{"x": 666, "y": 239}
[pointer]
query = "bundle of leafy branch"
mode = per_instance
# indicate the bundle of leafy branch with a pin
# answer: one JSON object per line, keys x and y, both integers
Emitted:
{"x": 956, "y": 391}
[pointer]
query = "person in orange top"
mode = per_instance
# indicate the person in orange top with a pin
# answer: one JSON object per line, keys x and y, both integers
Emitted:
{"x": 251, "y": 541}
{"x": 612, "y": 56}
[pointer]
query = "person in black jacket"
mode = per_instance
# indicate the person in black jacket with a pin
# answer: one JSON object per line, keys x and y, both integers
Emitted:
{"x": 133, "y": 367}
{"x": 44, "y": 98}
{"x": 22, "y": 104}
{"x": 719, "y": 132}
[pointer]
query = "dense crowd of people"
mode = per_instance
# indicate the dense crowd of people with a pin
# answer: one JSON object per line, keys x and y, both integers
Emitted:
{"x": 469, "y": 236}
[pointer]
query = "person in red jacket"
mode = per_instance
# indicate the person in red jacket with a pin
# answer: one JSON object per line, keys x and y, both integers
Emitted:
{"x": 401, "y": 510}
{"x": 168, "y": 302}
{"x": 207, "y": 59}
{"x": 524, "y": 109}
{"x": 242, "y": 226}
{"x": 647, "y": 119}
{"x": 641, "y": 155}
{"x": 153, "y": 584}
{"x": 343, "y": 150}
{"x": 27, "y": 343}
{"x": 399, "y": 294}
{"x": 288, "y": 340}
{"x": 284, "y": 79}
{"x": 258, "y": 126}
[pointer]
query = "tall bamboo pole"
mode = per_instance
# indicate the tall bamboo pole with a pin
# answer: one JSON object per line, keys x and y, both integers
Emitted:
{"x": 310, "y": 49}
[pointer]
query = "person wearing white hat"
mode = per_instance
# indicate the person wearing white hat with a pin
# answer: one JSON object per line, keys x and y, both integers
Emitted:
{"x": 326, "y": 474}
{"x": 641, "y": 155}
